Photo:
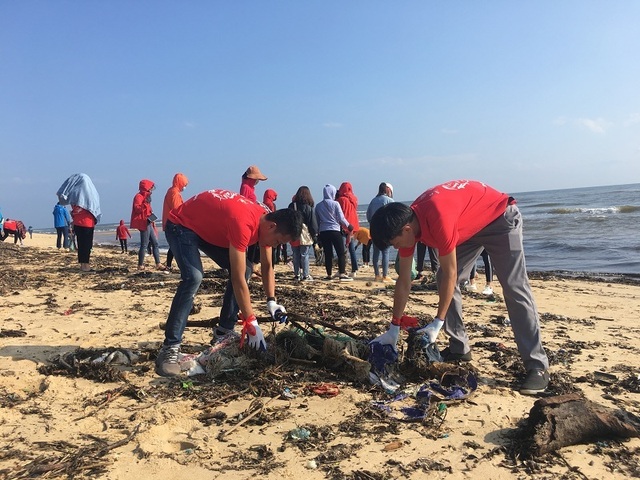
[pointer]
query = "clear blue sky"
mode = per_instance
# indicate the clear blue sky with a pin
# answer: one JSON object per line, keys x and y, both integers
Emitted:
{"x": 522, "y": 95}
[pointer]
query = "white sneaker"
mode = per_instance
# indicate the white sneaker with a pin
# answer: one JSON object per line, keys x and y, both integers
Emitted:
{"x": 354, "y": 274}
{"x": 487, "y": 291}
{"x": 345, "y": 278}
{"x": 308, "y": 278}
{"x": 471, "y": 287}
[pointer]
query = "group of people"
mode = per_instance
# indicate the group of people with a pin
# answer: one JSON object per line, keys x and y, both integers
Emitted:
{"x": 459, "y": 220}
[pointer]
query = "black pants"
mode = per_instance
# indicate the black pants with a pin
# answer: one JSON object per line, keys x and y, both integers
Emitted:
{"x": 84, "y": 237}
{"x": 332, "y": 239}
{"x": 366, "y": 252}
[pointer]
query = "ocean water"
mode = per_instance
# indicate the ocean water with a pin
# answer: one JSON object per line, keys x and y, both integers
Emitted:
{"x": 590, "y": 230}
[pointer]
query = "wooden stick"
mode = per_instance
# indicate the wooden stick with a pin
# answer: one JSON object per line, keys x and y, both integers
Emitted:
{"x": 246, "y": 419}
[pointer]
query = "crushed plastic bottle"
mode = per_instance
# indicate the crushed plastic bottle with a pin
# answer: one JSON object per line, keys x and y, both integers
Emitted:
{"x": 299, "y": 434}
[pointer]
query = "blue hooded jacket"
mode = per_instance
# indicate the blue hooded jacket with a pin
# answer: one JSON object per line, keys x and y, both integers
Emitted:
{"x": 61, "y": 217}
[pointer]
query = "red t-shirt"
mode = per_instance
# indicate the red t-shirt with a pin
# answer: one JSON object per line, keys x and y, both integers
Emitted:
{"x": 452, "y": 213}
{"x": 221, "y": 218}
{"x": 82, "y": 217}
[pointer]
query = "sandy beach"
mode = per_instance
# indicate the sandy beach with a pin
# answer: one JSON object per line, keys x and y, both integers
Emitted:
{"x": 126, "y": 422}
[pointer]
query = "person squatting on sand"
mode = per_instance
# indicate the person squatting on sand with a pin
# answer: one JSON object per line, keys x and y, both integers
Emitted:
{"x": 173, "y": 199}
{"x": 79, "y": 191}
{"x": 143, "y": 219}
{"x": 223, "y": 225}
{"x": 460, "y": 218}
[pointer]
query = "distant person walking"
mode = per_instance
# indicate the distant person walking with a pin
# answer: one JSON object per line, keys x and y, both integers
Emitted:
{"x": 61, "y": 222}
{"x": 122, "y": 234}
{"x": 143, "y": 219}
{"x": 79, "y": 191}
{"x": 173, "y": 199}
{"x": 30, "y": 230}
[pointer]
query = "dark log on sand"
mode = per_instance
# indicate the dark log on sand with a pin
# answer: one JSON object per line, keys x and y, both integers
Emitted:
{"x": 564, "y": 420}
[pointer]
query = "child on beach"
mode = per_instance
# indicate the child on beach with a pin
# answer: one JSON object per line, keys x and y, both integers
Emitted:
{"x": 460, "y": 218}
{"x": 122, "y": 233}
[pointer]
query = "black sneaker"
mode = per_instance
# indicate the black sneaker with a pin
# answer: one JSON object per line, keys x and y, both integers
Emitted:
{"x": 535, "y": 382}
{"x": 449, "y": 357}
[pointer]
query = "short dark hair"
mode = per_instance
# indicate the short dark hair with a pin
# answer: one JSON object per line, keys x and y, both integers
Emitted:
{"x": 288, "y": 222}
{"x": 387, "y": 223}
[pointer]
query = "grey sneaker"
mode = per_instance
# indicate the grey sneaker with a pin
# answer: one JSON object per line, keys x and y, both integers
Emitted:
{"x": 536, "y": 381}
{"x": 167, "y": 361}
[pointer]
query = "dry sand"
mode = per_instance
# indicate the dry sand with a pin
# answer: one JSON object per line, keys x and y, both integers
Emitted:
{"x": 143, "y": 426}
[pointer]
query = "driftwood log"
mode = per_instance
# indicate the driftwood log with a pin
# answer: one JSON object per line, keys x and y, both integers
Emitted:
{"x": 570, "y": 419}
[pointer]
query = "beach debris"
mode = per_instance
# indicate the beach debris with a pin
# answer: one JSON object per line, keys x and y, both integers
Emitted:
{"x": 326, "y": 390}
{"x": 564, "y": 420}
{"x": 256, "y": 408}
{"x": 429, "y": 401}
{"x": 12, "y": 333}
{"x": 72, "y": 461}
{"x": 104, "y": 365}
{"x": 299, "y": 434}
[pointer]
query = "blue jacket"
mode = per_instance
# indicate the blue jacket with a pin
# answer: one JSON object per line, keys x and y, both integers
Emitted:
{"x": 61, "y": 217}
{"x": 376, "y": 203}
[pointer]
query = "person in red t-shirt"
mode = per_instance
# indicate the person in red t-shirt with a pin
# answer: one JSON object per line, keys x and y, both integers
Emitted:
{"x": 460, "y": 219}
{"x": 223, "y": 225}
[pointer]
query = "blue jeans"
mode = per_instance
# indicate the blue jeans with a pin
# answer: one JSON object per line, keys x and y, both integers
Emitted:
{"x": 301, "y": 260}
{"x": 385, "y": 261}
{"x": 148, "y": 236}
{"x": 352, "y": 254}
{"x": 186, "y": 245}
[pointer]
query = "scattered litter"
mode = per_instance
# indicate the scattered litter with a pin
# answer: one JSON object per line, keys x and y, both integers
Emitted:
{"x": 327, "y": 390}
{"x": 299, "y": 434}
